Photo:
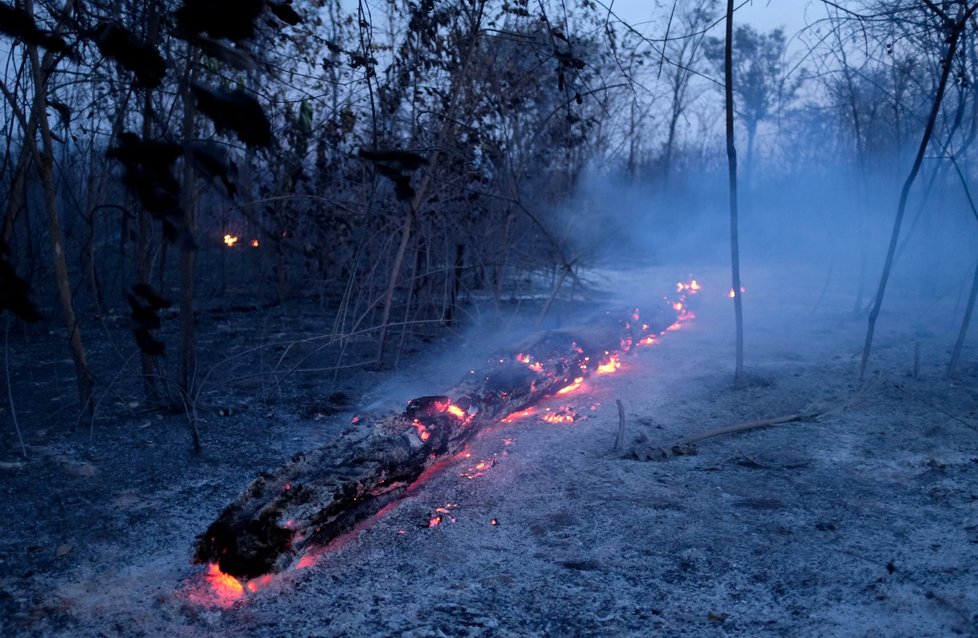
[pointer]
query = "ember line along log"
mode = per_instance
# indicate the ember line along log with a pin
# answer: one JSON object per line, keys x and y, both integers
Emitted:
{"x": 322, "y": 494}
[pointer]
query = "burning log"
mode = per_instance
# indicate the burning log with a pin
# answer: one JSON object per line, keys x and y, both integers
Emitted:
{"x": 320, "y": 495}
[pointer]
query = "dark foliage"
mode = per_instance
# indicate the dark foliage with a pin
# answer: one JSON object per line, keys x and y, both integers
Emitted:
{"x": 235, "y": 111}
{"x": 231, "y": 19}
{"x": 145, "y": 305}
{"x": 132, "y": 54}
{"x": 397, "y": 166}
{"x": 212, "y": 161}
{"x": 19, "y": 24}
{"x": 14, "y": 291}
{"x": 148, "y": 173}
{"x": 284, "y": 12}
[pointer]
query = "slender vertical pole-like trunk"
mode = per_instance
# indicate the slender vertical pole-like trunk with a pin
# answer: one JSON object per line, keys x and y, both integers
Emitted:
{"x": 965, "y": 324}
{"x": 44, "y": 159}
{"x": 732, "y": 171}
{"x": 956, "y": 28}
{"x": 147, "y": 361}
{"x": 188, "y": 255}
{"x": 188, "y": 251}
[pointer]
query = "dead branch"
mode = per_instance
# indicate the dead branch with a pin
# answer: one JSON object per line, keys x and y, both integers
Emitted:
{"x": 620, "y": 439}
{"x": 685, "y": 446}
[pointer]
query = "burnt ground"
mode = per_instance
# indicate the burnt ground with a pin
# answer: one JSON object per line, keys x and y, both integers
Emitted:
{"x": 860, "y": 522}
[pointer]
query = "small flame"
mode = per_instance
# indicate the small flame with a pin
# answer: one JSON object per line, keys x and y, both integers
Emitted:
{"x": 561, "y": 415}
{"x": 479, "y": 469}
{"x": 230, "y": 240}
{"x": 457, "y": 411}
{"x": 259, "y": 583}
{"x": 528, "y": 361}
{"x": 423, "y": 432}
{"x": 434, "y": 521}
{"x": 611, "y": 364}
{"x": 522, "y": 414}
{"x": 733, "y": 294}
{"x": 227, "y": 588}
{"x": 573, "y": 386}
{"x": 254, "y": 243}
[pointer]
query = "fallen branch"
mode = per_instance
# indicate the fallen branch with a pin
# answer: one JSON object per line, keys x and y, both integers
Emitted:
{"x": 685, "y": 447}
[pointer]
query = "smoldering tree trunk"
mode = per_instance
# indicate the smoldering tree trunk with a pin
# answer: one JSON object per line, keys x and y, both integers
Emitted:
{"x": 956, "y": 29}
{"x": 732, "y": 173}
{"x": 324, "y": 493}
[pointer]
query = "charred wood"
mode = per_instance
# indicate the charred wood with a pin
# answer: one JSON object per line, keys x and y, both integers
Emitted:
{"x": 324, "y": 493}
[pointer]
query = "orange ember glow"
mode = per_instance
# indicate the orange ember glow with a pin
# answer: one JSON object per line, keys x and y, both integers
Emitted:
{"x": 254, "y": 243}
{"x": 611, "y": 364}
{"x": 259, "y": 583}
{"x": 561, "y": 415}
{"x": 423, "y": 432}
{"x": 456, "y": 411}
{"x": 526, "y": 360}
{"x": 478, "y": 469}
{"x": 522, "y": 414}
{"x": 434, "y": 521}
{"x": 307, "y": 561}
{"x": 733, "y": 294}
{"x": 230, "y": 240}
{"x": 573, "y": 386}
{"x": 227, "y": 588}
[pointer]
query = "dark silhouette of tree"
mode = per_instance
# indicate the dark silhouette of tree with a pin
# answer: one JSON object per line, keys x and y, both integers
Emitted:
{"x": 760, "y": 86}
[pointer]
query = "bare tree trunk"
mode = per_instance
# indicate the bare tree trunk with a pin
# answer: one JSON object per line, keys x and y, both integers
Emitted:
{"x": 188, "y": 331}
{"x": 44, "y": 159}
{"x": 956, "y": 28}
{"x": 147, "y": 361}
{"x": 732, "y": 170}
{"x": 965, "y": 324}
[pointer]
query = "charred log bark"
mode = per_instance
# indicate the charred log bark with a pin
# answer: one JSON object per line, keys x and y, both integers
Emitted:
{"x": 319, "y": 496}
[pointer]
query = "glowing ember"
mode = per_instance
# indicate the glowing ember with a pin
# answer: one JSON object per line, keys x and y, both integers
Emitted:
{"x": 611, "y": 364}
{"x": 423, "y": 432}
{"x": 573, "y": 386}
{"x": 259, "y": 583}
{"x": 522, "y": 414}
{"x": 528, "y": 361}
{"x": 456, "y": 411}
{"x": 733, "y": 294}
{"x": 230, "y": 240}
{"x": 479, "y": 469}
{"x": 254, "y": 243}
{"x": 306, "y": 561}
{"x": 434, "y": 521}
{"x": 227, "y": 588}
{"x": 561, "y": 415}
{"x": 493, "y": 521}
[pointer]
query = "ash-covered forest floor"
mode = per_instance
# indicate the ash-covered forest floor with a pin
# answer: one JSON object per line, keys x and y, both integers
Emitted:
{"x": 861, "y": 522}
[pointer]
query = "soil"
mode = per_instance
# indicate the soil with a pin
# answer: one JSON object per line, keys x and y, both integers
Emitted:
{"x": 862, "y": 521}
